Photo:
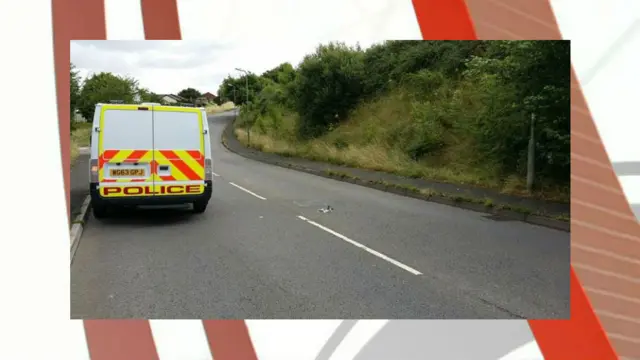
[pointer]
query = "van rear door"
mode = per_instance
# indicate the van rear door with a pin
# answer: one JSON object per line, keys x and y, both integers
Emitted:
{"x": 125, "y": 150}
{"x": 178, "y": 140}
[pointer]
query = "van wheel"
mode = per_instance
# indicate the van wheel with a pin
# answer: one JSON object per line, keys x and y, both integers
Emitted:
{"x": 99, "y": 211}
{"x": 199, "y": 207}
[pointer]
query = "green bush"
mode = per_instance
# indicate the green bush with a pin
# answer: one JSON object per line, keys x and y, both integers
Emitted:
{"x": 329, "y": 85}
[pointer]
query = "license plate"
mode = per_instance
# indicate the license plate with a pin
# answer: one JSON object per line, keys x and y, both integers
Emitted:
{"x": 126, "y": 172}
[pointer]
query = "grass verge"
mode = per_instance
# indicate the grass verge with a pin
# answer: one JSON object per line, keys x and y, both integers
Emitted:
{"x": 214, "y": 108}
{"x": 429, "y": 194}
{"x": 79, "y": 138}
{"x": 329, "y": 149}
{"x": 266, "y": 144}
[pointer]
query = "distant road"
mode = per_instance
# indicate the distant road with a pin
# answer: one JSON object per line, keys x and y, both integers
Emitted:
{"x": 264, "y": 250}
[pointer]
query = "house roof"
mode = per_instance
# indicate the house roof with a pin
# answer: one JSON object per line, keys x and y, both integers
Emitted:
{"x": 175, "y": 97}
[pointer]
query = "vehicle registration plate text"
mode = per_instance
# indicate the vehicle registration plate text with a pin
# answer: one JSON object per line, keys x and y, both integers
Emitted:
{"x": 126, "y": 172}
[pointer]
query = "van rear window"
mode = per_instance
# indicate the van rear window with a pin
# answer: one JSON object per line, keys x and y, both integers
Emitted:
{"x": 127, "y": 129}
{"x": 176, "y": 130}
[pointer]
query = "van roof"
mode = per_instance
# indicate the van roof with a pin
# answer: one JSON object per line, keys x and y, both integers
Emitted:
{"x": 149, "y": 103}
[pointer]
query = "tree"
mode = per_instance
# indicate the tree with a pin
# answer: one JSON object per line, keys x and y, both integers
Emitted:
{"x": 74, "y": 90}
{"x": 190, "y": 94}
{"x": 255, "y": 82}
{"x": 328, "y": 86}
{"x": 535, "y": 75}
{"x": 390, "y": 62}
{"x": 282, "y": 74}
{"x": 148, "y": 96}
{"x": 105, "y": 87}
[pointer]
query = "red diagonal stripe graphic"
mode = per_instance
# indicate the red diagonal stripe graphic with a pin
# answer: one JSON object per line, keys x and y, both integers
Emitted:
{"x": 108, "y": 154}
{"x": 120, "y": 339}
{"x": 135, "y": 156}
{"x": 180, "y": 165}
{"x": 229, "y": 340}
{"x": 581, "y": 337}
{"x": 444, "y": 20}
{"x": 154, "y": 170}
{"x": 197, "y": 156}
{"x": 105, "y": 156}
{"x": 160, "y": 18}
{"x": 67, "y": 25}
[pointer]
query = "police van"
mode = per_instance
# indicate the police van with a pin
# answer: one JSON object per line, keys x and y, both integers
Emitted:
{"x": 149, "y": 154}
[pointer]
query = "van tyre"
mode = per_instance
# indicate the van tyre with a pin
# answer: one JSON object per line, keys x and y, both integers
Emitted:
{"x": 99, "y": 211}
{"x": 200, "y": 206}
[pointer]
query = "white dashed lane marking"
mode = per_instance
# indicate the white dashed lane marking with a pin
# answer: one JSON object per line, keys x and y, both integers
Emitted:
{"x": 248, "y": 191}
{"x": 363, "y": 247}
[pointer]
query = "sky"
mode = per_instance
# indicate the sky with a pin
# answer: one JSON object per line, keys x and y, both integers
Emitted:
{"x": 166, "y": 67}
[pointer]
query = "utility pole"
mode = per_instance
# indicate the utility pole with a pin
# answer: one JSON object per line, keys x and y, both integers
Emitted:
{"x": 246, "y": 77}
{"x": 531, "y": 155}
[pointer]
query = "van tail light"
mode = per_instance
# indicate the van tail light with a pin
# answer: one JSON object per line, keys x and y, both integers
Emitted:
{"x": 208, "y": 170}
{"x": 93, "y": 173}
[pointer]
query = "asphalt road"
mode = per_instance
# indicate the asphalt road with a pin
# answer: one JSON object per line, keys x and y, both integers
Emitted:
{"x": 79, "y": 179}
{"x": 263, "y": 250}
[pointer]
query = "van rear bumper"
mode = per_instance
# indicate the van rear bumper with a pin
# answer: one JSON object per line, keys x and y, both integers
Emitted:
{"x": 149, "y": 200}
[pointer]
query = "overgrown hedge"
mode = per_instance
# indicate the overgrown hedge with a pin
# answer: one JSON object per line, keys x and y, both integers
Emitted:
{"x": 473, "y": 97}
